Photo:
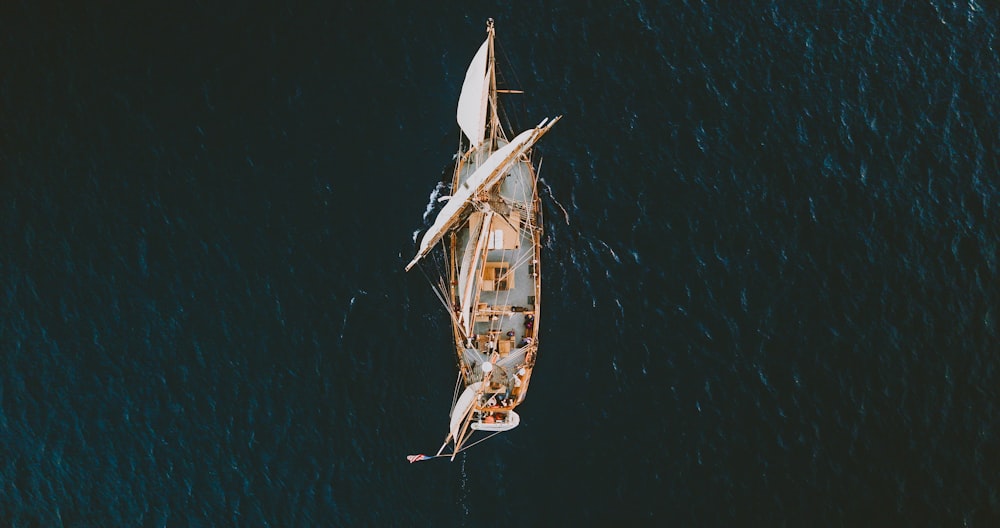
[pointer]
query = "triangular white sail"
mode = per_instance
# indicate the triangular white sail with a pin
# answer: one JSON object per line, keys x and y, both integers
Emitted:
{"x": 462, "y": 408}
{"x": 472, "y": 103}
{"x": 486, "y": 175}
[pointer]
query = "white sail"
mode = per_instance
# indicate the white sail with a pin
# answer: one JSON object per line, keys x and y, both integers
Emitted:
{"x": 486, "y": 175}
{"x": 472, "y": 273}
{"x": 462, "y": 408}
{"x": 472, "y": 103}
{"x": 465, "y": 274}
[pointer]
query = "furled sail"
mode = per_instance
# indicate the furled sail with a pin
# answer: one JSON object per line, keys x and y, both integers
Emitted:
{"x": 472, "y": 103}
{"x": 486, "y": 175}
{"x": 466, "y": 274}
{"x": 472, "y": 272}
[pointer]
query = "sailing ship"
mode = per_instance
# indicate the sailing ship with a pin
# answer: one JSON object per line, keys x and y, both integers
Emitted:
{"x": 488, "y": 269}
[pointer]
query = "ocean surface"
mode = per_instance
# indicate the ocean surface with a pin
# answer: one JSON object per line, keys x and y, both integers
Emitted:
{"x": 771, "y": 290}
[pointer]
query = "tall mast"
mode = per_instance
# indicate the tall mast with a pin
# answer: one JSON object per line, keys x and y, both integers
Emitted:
{"x": 494, "y": 120}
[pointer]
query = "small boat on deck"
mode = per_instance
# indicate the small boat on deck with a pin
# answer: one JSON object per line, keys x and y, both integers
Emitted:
{"x": 486, "y": 246}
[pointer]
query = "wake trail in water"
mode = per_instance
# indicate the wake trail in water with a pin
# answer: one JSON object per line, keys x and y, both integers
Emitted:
{"x": 548, "y": 190}
{"x": 464, "y": 494}
{"x": 434, "y": 198}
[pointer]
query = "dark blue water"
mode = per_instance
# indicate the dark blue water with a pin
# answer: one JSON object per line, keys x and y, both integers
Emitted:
{"x": 774, "y": 302}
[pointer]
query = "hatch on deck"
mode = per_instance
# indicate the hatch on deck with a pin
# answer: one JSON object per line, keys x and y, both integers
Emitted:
{"x": 503, "y": 230}
{"x": 497, "y": 277}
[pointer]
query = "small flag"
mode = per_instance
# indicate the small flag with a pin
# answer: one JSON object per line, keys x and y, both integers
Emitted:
{"x": 418, "y": 458}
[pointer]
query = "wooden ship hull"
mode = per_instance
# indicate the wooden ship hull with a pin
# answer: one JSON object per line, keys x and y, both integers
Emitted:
{"x": 502, "y": 323}
{"x": 490, "y": 284}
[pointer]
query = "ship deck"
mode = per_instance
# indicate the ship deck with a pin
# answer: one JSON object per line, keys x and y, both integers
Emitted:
{"x": 506, "y": 308}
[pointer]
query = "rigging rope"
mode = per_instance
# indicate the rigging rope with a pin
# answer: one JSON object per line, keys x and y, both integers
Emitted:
{"x": 421, "y": 457}
{"x": 454, "y": 396}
